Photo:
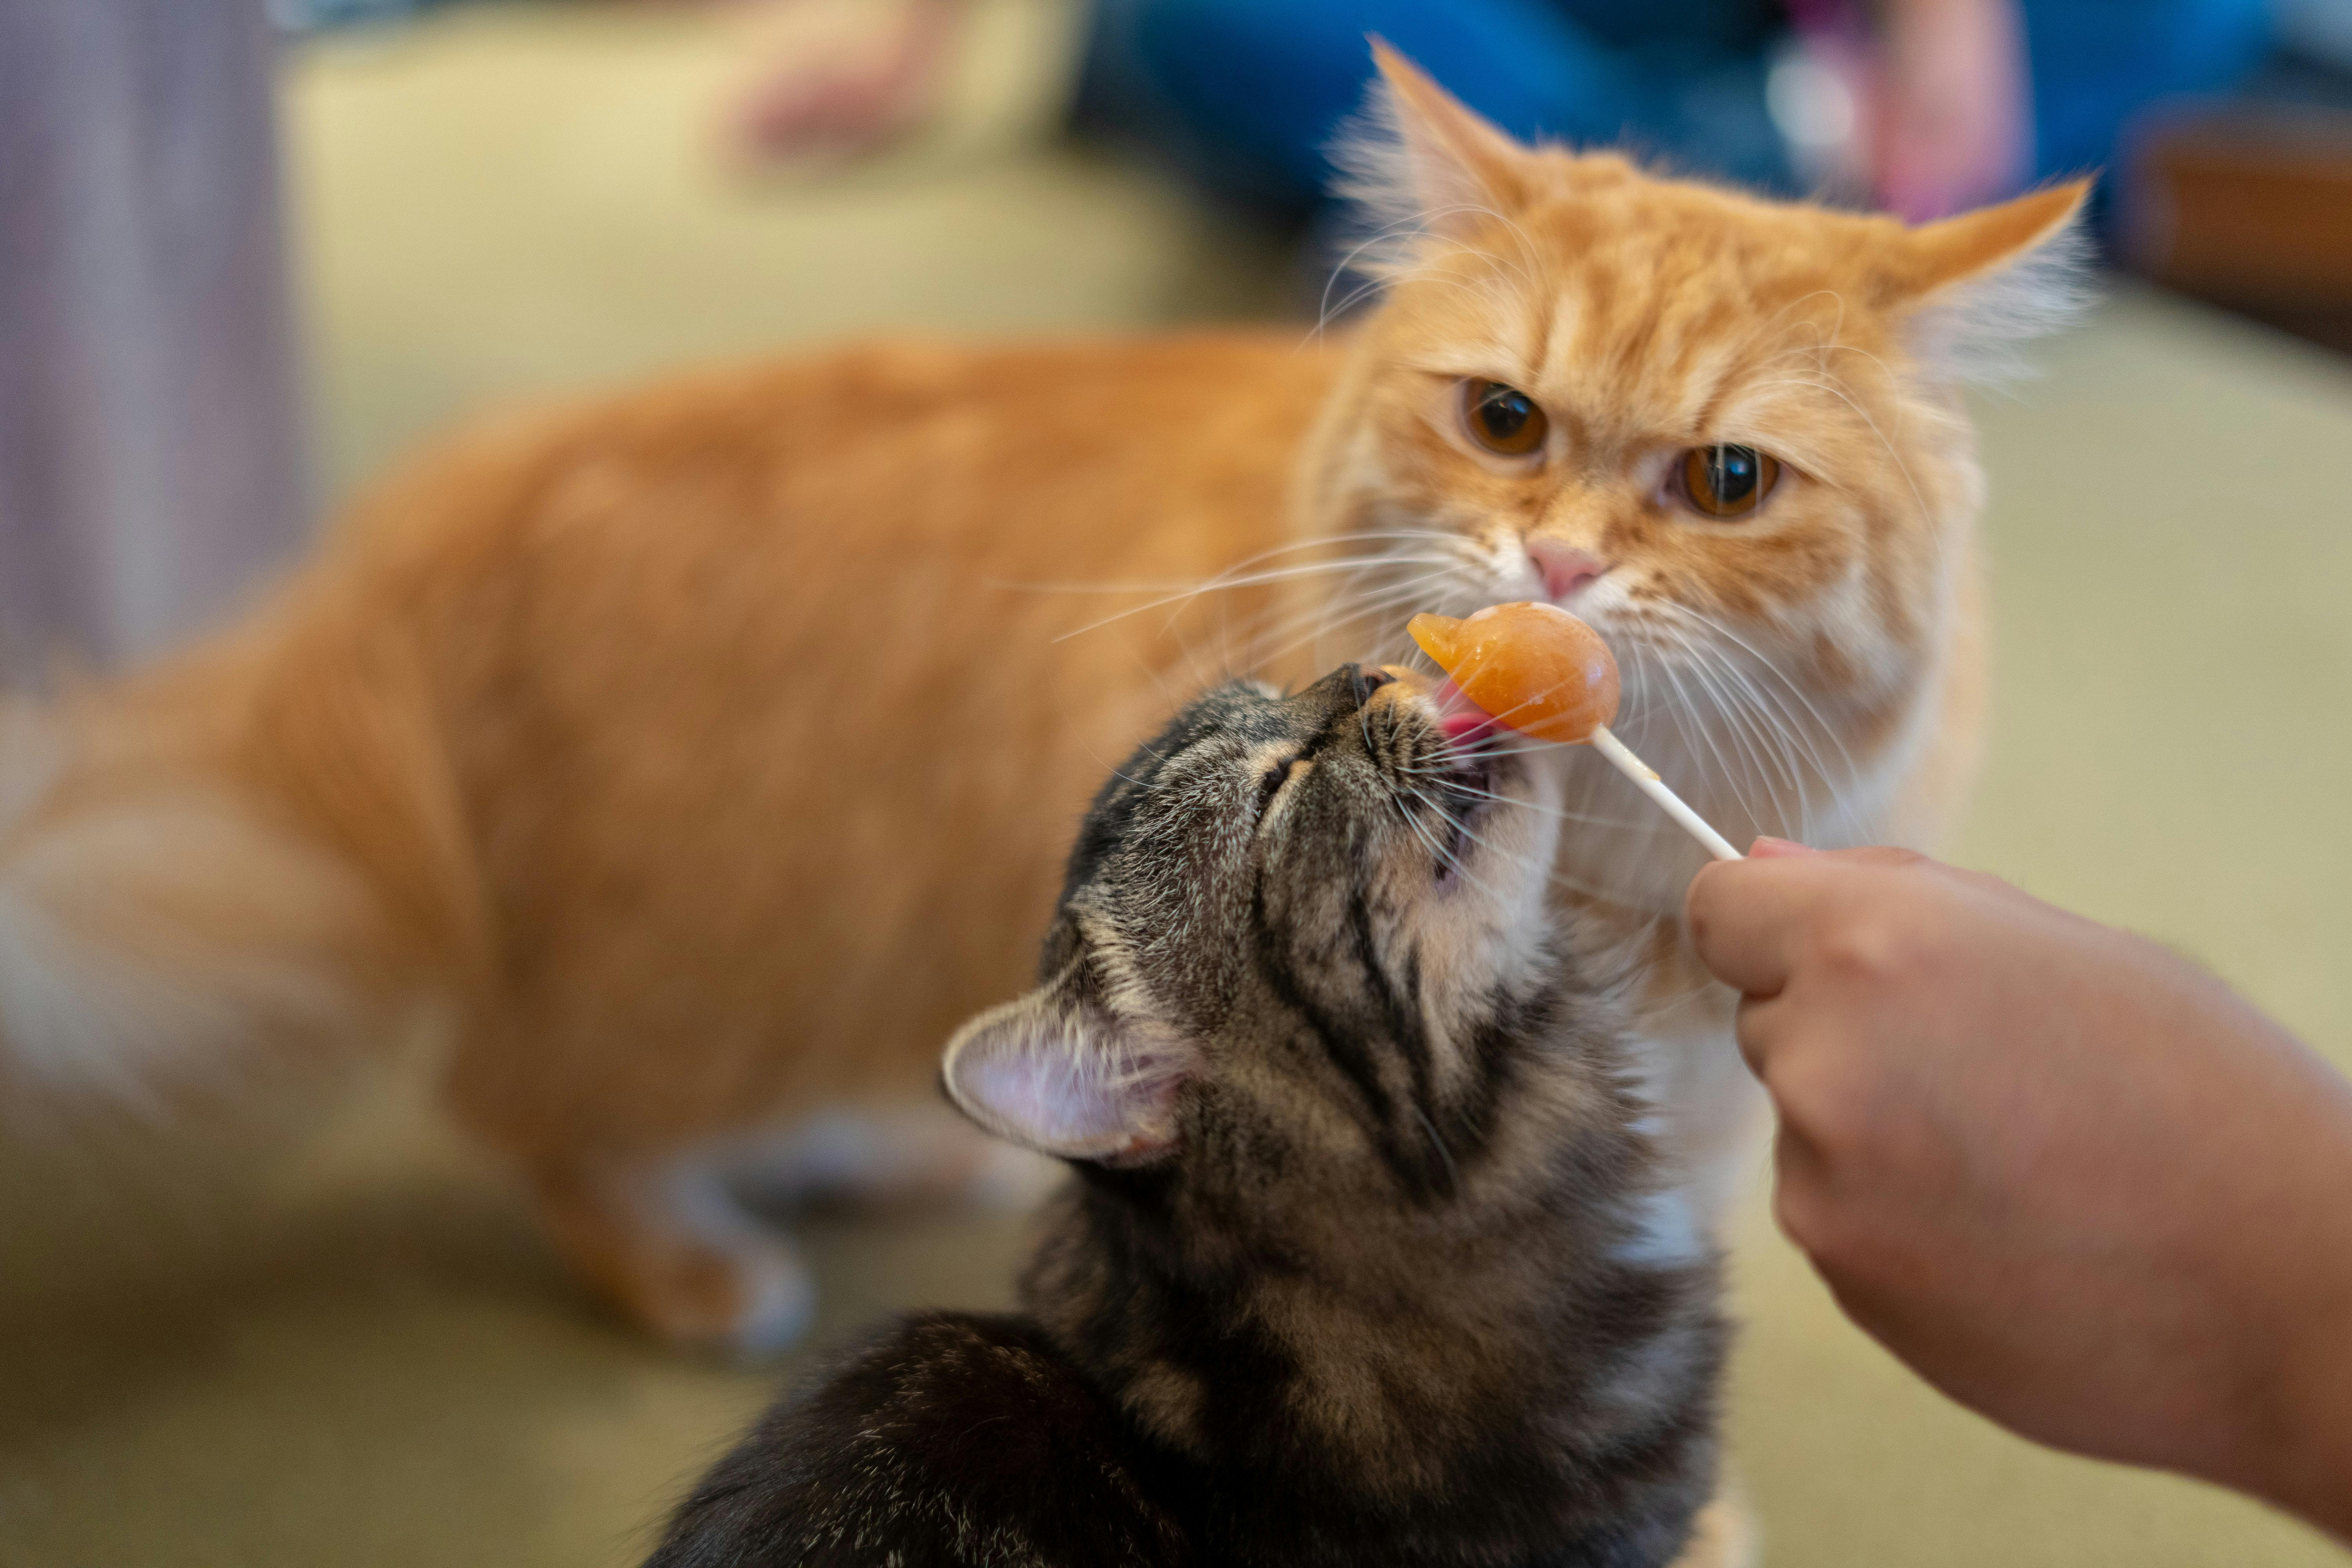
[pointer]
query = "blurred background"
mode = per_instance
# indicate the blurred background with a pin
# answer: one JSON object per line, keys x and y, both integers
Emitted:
{"x": 247, "y": 260}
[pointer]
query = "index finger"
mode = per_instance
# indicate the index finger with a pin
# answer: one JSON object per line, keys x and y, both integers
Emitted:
{"x": 1747, "y": 918}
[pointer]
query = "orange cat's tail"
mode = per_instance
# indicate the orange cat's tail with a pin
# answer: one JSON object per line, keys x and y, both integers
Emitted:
{"x": 254, "y": 850}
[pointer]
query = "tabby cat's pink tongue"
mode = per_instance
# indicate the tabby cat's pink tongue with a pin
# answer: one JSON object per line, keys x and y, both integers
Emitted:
{"x": 1458, "y": 718}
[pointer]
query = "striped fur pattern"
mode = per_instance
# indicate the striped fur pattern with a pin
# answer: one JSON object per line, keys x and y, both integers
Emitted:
{"x": 1363, "y": 1261}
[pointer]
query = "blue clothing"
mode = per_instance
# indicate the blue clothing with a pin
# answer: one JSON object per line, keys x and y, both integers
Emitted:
{"x": 1246, "y": 94}
{"x": 2099, "y": 65}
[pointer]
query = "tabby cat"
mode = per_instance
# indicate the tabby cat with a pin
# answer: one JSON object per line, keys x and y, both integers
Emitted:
{"x": 699, "y": 756}
{"x": 1367, "y": 1261}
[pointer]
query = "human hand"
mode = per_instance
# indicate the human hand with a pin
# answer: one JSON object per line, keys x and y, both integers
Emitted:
{"x": 2069, "y": 1178}
{"x": 842, "y": 96}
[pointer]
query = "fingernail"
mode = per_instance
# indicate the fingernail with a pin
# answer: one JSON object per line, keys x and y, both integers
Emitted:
{"x": 1772, "y": 848}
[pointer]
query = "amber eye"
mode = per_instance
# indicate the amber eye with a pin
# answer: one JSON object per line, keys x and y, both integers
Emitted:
{"x": 1729, "y": 482}
{"x": 1503, "y": 418}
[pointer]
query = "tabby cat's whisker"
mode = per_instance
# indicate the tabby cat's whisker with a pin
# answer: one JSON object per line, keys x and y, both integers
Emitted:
{"x": 1462, "y": 828}
{"x": 1452, "y": 1174}
{"x": 1441, "y": 853}
{"x": 1562, "y": 812}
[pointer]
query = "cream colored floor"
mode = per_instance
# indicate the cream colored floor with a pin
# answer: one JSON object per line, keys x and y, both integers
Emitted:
{"x": 360, "y": 1353}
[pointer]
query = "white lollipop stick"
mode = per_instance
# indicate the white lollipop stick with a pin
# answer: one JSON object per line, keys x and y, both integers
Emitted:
{"x": 1646, "y": 780}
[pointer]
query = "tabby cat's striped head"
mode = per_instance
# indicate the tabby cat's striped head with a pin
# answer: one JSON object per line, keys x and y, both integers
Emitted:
{"x": 1309, "y": 920}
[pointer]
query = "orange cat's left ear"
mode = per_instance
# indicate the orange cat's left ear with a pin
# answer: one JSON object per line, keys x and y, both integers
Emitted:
{"x": 1447, "y": 164}
{"x": 1935, "y": 255}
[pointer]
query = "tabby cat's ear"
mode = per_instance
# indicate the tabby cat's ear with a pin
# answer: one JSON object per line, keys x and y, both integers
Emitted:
{"x": 1058, "y": 1073}
{"x": 1976, "y": 285}
{"x": 1425, "y": 159}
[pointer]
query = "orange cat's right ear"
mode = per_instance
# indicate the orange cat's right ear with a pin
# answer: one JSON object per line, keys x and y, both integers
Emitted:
{"x": 1972, "y": 287}
{"x": 1446, "y": 164}
{"x": 1952, "y": 250}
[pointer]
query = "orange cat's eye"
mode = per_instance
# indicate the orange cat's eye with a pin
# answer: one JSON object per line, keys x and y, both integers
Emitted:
{"x": 1729, "y": 482}
{"x": 1502, "y": 418}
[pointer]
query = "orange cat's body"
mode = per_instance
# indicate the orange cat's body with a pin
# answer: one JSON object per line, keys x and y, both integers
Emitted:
{"x": 709, "y": 753}
{"x": 755, "y": 706}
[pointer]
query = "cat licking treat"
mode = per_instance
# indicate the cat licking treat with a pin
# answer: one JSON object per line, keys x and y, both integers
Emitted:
{"x": 1534, "y": 667}
{"x": 1369, "y": 1258}
{"x": 556, "y": 746}
{"x": 1543, "y": 672}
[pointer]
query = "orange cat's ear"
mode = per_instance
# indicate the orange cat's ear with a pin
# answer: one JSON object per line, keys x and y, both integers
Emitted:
{"x": 1955, "y": 249}
{"x": 1424, "y": 158}
{"x": 1972, "y": 287}
{"x": 1057, "y": 1072}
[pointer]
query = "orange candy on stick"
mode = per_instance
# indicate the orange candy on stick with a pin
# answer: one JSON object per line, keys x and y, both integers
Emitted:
{"x": 1547, "y": 675}
{"x": 1533, "y": 667}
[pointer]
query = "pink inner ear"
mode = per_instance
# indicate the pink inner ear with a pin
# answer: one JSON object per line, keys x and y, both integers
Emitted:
{"x": 1041, "y": 1078}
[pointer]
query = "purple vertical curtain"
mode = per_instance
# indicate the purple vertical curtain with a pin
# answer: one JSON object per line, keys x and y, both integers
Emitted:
{"x": 150, "y": 459}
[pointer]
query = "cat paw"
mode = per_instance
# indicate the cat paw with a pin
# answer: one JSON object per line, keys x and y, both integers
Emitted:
{"x": 749, "y": 1299}
{"x": 1725, "y": 1534}
{"x": 885, "y": 1156}
{"x": 672, "y": 1249}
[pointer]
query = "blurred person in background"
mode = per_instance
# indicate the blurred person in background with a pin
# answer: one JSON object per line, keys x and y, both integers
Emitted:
{"x": 1924, "y": 106}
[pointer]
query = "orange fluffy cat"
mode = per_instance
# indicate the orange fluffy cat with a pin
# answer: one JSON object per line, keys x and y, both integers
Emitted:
{"x": 707, "y": 754}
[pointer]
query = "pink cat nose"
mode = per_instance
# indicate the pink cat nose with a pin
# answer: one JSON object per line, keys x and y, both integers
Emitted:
{"x": 1563, "y": 568}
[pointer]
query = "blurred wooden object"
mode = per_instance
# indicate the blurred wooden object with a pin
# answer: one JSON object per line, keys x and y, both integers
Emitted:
{"x": 2250, "y": 207}
{"x": 150, "y": 451}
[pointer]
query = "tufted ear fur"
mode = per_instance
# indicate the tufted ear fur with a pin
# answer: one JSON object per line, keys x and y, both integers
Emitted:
{"x": 1056, "y": 1072}
{"x": 1980, "y": 283}
{"x": 1417, "y": 158}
